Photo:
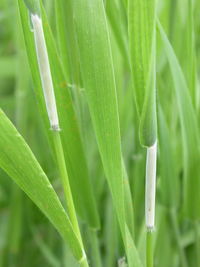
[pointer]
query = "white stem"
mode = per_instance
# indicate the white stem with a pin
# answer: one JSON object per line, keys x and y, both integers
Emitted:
{"x": 150, "y": 186}
{"x": 45, "y": 73}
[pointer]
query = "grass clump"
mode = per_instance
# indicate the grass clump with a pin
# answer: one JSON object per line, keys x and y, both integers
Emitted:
{"x": 100, "y": 128}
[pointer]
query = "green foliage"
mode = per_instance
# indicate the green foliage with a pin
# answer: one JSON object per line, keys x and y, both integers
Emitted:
{"x": 190, "y": 133}
{"x": 142, "y": 38}
{"x": 18, "y": 161}
{"x": 33, "y": 6}
{"x": 114, "y": 76}
{"x": 73, "y": 148}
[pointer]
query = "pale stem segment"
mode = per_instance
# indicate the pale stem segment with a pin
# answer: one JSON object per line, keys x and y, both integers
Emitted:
{"x": 45, "y": 72}
{"x": 150, "y": 194}
{"x": 150, "y": 186}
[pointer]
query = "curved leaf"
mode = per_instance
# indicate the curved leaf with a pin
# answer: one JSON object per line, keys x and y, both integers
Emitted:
{"x": 19, "y": 163}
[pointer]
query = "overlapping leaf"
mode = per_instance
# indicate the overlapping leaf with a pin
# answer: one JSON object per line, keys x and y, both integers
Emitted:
{"x": 189, "y": 130}
{"x": 20, "y": 164}
{"x": 74, "y": 154}
{"x": 99, "y": 83}
{"x": 142, "y": 15}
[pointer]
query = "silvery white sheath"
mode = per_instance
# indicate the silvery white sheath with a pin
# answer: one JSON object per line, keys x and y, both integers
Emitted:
{"x": 150, "y": 186}
{"x": 45, "y": 73}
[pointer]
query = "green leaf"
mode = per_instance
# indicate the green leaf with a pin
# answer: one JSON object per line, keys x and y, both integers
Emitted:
{"x": 99, "y": 83}
{"x": 190, "y": 133}
{"x": 17, "y": 160}
{"x": 71, "y": 140}
{"x": 142, "y": 37}
{"x": 33, "y": 6}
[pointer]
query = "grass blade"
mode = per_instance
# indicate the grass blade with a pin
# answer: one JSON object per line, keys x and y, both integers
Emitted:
{"x": 99, "y": 83}
{"x": 73, "y": 148}
{"x": 142, "y": 37}
{"x": 20, "y": 164}
{"x": 190, "y": 134}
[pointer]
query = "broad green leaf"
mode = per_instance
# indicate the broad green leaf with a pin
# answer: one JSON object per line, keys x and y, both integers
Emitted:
{"x": 17, "y": 160}
{"x": 99, "y": 83}
{"x": 190, "y": 133}
{"x": 142, "y": 38}
{"x": 79, "y": 177}
{"x": 73, "y": 148}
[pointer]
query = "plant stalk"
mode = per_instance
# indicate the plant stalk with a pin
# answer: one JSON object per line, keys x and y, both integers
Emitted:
{"x": 67, "y": 190}
{"x": 150, "y": 193}
{"x": 149, "y": 248}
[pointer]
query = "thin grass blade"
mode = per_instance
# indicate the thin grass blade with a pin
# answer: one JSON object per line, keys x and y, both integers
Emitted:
{"x": 17, "y": 160}
{"x": 73, "y": 148}
{"x": 189, "y": 130}
{"x": 99, "y": 83}
{"x": 142, "y": 18}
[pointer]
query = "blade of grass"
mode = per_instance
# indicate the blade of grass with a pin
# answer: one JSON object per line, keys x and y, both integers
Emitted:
{"x": 142, "y": 39}
{"x": 98, "y": 79}
{"x": 71, "y": 140}
{"x": 99, "y": 83}
{"x": 142, "y": 36}
{"x": 50, "y": 101}
{"x": 20, "y": 164}
{"x": 190, "y": 133}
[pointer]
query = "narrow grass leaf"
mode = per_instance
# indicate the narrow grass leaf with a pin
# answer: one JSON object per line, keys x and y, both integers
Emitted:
{"x": 189, "y": 130}
{"x": 17, "y": 160}
{"x": 141, "y": 17}
{"x": 71, "y": 139}
{"x": 73, "y": 148}
{"x": 99, "y": 83}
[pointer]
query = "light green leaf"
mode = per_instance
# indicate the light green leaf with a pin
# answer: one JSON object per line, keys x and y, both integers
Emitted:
{"x": 71, "y": 140}
{"x": 17, "y": 160}
{"x": 33, "y": 6}
{"x": 190, "y": 133}
{"x": 99, "y": 84}
{"x": 141, "y": 16}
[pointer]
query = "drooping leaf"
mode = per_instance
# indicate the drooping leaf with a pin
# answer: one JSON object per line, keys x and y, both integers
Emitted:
{"x": 17, "y": 160}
